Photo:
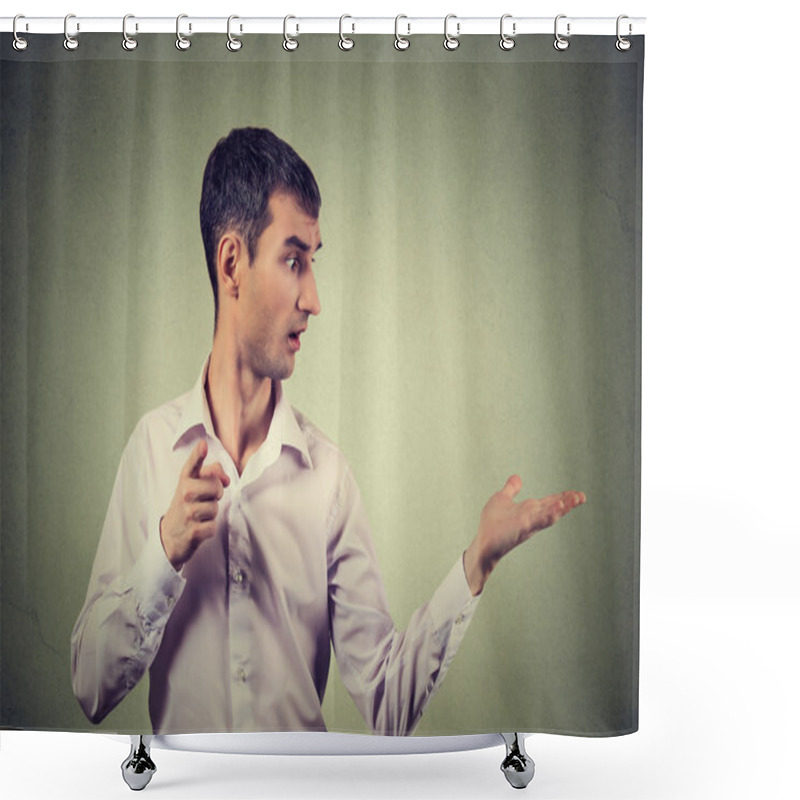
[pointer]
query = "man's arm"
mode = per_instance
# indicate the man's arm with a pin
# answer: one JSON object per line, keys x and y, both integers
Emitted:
{"x": 392, "y": 674}
{"x": 134, "y": 584}
{"x": 505, "y": 524}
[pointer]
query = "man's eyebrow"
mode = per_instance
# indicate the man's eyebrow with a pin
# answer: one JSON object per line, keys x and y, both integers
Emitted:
{"x": 294, "y": 241}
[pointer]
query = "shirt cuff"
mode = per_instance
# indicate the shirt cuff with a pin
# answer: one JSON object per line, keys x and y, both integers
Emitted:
{"x": 155, "y": 583}
{"x": 452, "y": 607}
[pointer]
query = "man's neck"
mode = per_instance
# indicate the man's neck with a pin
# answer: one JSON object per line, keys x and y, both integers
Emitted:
{"x": 241, "y": 404}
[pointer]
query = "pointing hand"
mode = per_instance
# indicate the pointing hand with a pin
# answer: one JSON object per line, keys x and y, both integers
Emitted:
{"x": 192, "y": 515}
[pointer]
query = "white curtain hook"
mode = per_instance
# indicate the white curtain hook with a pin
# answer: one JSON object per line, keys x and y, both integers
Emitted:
{"x": 233, "y": 43}
{"x": 290, "y": 44}
{"x": 623, "y": 44}
{"x": 560, "y": 43}
{"x": 70, "y": 42}
{"x": 345, "y": 43}
{"x": 507, "y": 42}
{"x": 182, "y": 43}
{"x": 451, "y": 42}
{"x": 128, "y": 42}
{"x": 400, "y": 42}
{"x": 19, "y": 42}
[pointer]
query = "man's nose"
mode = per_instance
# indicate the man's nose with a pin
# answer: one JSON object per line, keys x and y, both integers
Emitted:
{"x": 309, "y": 299}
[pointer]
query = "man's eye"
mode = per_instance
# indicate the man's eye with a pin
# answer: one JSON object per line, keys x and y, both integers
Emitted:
{"x": 293, "y": 263}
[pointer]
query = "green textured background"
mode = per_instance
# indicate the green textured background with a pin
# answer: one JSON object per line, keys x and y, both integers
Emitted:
{"x": 480, "y": 288}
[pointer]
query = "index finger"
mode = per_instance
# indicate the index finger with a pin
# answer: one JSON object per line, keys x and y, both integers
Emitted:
{"x": 563, "y": 502}
{"x": 215, "y": 470}
{"x": 573, "y": 499}
{"x": 541, "y": 514}
{"x": 195, "y": 461}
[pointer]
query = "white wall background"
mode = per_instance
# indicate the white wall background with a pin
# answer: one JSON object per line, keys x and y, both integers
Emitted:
{"x": 720, "y": 533}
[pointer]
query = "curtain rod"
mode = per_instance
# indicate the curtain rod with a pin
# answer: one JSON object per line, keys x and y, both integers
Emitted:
{"x": 348, "y": 25}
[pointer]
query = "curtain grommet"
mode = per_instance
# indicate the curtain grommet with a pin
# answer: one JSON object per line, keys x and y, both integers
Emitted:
{"x": 20, "y": 43}
{"x": 345, "y": 42}
{"x": 290, "y": 44}
{"x": 181, "y": 42}
{"x": 70, "y": 42}
{"x": 451, "y": 42}
{"x": 561, "y": 43}
{"x": 507, "y": 42}
{"x": 128, "y": 42}
{"x": 233, "y": 44}
{"x": 401, "y": 42}
{"x": 622, "y": 44}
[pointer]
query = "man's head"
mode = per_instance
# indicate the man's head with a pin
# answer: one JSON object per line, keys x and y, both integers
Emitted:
{"x": 243, "y": 172}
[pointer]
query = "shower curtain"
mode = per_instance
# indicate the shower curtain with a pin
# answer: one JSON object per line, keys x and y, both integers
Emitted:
{"x": 480, "y": 288}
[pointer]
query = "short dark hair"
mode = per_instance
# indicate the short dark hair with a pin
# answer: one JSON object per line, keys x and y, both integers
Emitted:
{"x": 244, "y": 170}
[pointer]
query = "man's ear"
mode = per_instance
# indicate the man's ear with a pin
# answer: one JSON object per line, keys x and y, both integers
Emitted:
{"x": 231, "y": 257}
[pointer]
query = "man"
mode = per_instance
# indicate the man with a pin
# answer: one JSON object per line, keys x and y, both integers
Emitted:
{"x": 236, "y": 548}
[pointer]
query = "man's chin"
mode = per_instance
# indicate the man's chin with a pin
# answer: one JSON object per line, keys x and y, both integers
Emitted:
{"x": 276, "y": 372}
{"x": 284, "y": 373}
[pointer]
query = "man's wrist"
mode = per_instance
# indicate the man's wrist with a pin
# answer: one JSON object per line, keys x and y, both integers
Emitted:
{"x": 176, "y": 567}
{"x": 475, "y": 571}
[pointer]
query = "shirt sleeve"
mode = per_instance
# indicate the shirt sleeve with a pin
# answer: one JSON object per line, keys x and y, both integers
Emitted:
{"x": 132, "y": 590}
{"x": 390, "y": 674}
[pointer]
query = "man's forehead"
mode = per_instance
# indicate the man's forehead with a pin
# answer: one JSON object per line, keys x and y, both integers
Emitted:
{"x": 289, "y": 207}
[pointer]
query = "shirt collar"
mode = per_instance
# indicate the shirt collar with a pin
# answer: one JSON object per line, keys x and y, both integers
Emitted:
{"x": 284, "y": 430}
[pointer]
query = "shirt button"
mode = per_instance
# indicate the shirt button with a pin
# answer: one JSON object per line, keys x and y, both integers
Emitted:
{"x": 241, "y": 675}
{"x": 238, "y": 576}
{"x": 459, "y": 619}
{"x": 170, "y": 601}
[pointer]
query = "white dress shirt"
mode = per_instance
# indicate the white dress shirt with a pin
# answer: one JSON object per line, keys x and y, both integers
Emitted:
{"x": 239, "y": 639}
